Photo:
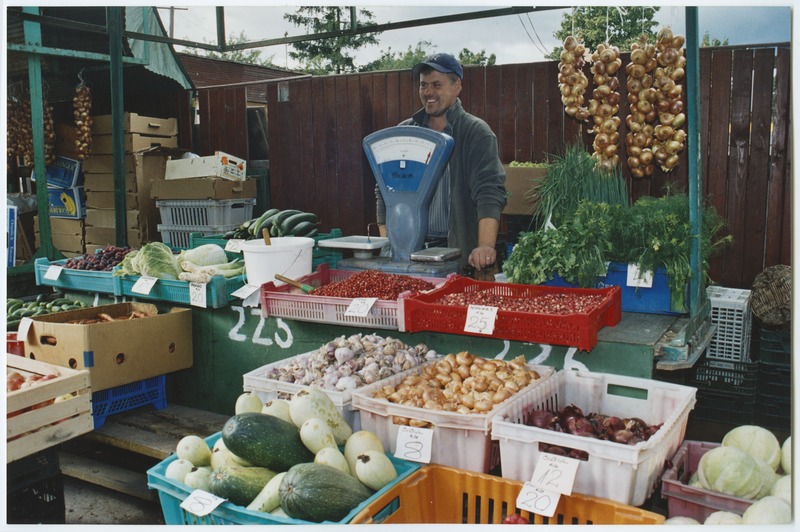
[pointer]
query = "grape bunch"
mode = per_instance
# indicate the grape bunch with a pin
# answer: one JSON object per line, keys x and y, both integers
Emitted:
{"x": 103, "y": 259}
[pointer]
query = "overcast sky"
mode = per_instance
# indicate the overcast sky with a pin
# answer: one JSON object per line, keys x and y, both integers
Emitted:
{"x": 513, "y": 39}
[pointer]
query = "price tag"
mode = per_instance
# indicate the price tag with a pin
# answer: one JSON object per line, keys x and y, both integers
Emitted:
{"x": 201, "y": 503}
{"x": 234, "y": 245}
{"x": 245, "y": 291}
{"x": 554, "y": 472}
{"x": 637, "y": 278}
{"x": 197, "y": 294}
{"x": 480, "y": 319}
{"x": 53, "y": 271}
{"x": 537, "y": 500}
{"x": 22, "y": 329}
{"x": 360, "y": 306}
{"x": 414, "y": 444}
{"x": 144, "y": 285}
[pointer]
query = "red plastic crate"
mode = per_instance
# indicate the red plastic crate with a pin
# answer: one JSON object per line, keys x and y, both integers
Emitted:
{"x": 420, "y": 312}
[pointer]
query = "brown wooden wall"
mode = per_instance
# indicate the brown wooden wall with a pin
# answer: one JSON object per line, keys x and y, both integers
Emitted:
{"x": 317, "y": 161}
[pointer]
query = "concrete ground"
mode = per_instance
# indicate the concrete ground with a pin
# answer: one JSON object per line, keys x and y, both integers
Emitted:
{"x": 89, "y": 504}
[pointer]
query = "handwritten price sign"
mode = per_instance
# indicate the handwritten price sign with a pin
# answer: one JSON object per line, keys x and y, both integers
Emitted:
{"x": 480, "y": 319}
{"x": 555, "y": 473}
{"x": 53, "y": 272}
{"x": 414, "y": 444}
{"x": 144, "y": 284}
{"x": 197, "y": 294}
{"x": 360, "y": 306}
{"x": 201, "y": 503}
{"x": 234, "y": 245}
{"x": 538, "y": 501}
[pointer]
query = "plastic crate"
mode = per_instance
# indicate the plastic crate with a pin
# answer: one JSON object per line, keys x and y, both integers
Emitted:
{"x": 172, "y": 493}
{"x": 723, "y": 375}
{"x": 734, "y": 408}
{"x": 35, "y": 489}
{"x": 730, "y": 312}
{"x": 459, "y": 440}
{"x": 206, "y": 212}
{"x": 624, "y": 473}
{"x": 178, "y": 236}
{"x": 775, "y": 412}
{"x": 218, "y": 291}
{"x": 774, "y": 346}
{"x": 420, "y": 312}
{"x": 443, "y": 495}
{"x": 285, "y": 301}
{"x": 688, "y": 501}
{"x": 318, "y": 256}
{"x": 70, "y": 279}
{"x": 775, "y": 379}
{"x": 127, "y": 397}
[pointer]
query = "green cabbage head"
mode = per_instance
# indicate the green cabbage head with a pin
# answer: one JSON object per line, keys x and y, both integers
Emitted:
{"x": 768, "y": 511}
{"x": 756, "y": 441}
{"x": 154, "y": 259}
{"x": 730, "y": 470}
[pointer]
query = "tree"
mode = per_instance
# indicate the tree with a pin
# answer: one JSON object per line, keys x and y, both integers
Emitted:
{"x": 592, "y": 24}
{"x": 708, "y": 41}
{"x": 469, "y": 58}
{"x": 325, "y": 56}
{"x": 390, "y": 60}
{"x": 250, "y": 56}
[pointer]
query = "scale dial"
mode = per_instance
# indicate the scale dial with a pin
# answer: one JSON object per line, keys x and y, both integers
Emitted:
{"x": 402, "y": 148}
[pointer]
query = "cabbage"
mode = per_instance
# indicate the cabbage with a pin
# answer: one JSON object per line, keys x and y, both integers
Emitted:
{"x": 783, "y": 488}
{"x": 756, "y": 441}
{"x": 681, "y": 520}
{"x": 786, "y": 456}
{"x": 730, "y": 470}
{"x": 154, "y": 259}
{"x": 768, "y": 511}
{"x": 205, "y": 255}
{"x": 694, "y": 481}
{"x": 723, "y": 518}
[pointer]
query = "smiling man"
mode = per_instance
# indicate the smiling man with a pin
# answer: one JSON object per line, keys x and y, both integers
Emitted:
{"x": 465, "y": 211}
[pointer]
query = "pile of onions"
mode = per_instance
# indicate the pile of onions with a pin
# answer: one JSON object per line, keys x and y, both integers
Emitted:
{"x": 670, "y": 137}
{"x": 462, "y": 383}
{"x": 604, "y": 106}
{"x": 81, "y": 109}
{"x": 642, "y": 97}
{"x": 572, "y": 82}
{"x": 20, "y": 131}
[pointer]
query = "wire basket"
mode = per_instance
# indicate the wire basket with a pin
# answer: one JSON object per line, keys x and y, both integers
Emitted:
{"x": 771, "y": 296}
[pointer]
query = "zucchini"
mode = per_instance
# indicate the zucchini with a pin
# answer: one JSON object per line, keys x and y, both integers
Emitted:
{"x": 287, "y": 225}
{"x": 277, "y": 222}
{"x": 318, "y": 492}
{"x": 12, "y": 324}
{"x": 255, "y": 226}
{"x": 14, "y": 306}
{"x": 265, "y": 224}
{"x": 269, "y": 497}
{"x": 240, "y": 485}
{"x": 303, "y": 228}
{"x": 265, "y": 440}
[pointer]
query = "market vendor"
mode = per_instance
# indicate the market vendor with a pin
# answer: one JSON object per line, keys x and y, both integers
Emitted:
{"x": 465, "y": 210}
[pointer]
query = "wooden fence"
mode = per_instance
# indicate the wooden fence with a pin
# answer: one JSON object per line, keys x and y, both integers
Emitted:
{"x": 317, "y": 163}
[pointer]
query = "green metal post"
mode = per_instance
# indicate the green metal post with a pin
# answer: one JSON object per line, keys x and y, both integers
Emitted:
{"x": 115, "y": 32}
{"x": 221, "y": 28}
{"x": 694, "y": 155}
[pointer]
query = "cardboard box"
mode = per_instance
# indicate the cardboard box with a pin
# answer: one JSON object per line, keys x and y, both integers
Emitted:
{"x": 69, "y": 243}
{"x": 116, "y": 352}
{"x": 202, "y": 188}
{"x": 131, "y": 142}
{"x": 66, "y": 136}
{"x": 134, "y": 123}
{"x": 105, "y": 182}
{"x": 62, "y": 226}
{"x": 65, "y": 234}
{"x": 104, "y": 164}
{"x": 66, "y": 202}
{"x": 519, "y": 181}
{"x": 98, "y": 237}
{"x": 107, "y": 218}
{"x": 62, "y": 173}
{"x": 220, "y": 164}
{"x": 105, "y": 200}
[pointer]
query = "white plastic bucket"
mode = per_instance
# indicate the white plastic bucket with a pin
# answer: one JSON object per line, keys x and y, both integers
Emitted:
{"x": 290, "y": 256}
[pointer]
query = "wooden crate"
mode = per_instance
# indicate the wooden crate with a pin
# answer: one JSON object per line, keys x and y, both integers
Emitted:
{"x": 29, "y": 430}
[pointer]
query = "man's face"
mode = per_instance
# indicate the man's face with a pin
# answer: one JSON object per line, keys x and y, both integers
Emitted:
{"x": 437, "y": 92}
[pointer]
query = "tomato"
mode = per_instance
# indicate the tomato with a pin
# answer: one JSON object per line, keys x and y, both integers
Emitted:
{"x": 515, "y": 519}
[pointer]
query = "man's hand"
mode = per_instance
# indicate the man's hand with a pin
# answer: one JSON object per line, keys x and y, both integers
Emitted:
{"x": 483, "y": 258}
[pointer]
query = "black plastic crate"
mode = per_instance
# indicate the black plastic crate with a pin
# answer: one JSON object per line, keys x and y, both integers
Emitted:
{"x": 725, "y": 407}
{"x": 723, "y": 375}
{"x": 775, "y": 379}
{"x": 775, "y": 412}
{"x": 35, "y": 489}
{"x": 32, "y": 469}
{"x": 774, "y": 346}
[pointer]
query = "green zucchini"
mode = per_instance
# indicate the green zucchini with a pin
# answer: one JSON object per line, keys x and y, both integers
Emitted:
{"x": 277, "y": 222}
{"x": 287, "y": 225}
{"x": 255, "y": 226}
{"x": 12, "y": 324}
{"x": 318, "y": 492}
{"x": 240, "y": 485}
{"x": 303, "y": 229}
{"x": 265, "y": 440}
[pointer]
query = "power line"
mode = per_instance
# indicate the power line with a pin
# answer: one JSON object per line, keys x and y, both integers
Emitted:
{"x": 535, "y": 32}
{"x": 529, "y": 36}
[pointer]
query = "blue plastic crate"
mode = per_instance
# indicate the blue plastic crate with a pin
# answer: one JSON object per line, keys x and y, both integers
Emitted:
{"x": 218, "y": 291}
{"x": 152, "y": 391}
{"x": 172, "y": 494}
{"x": 84, "y": 280}
{"x": 654, "y": 300}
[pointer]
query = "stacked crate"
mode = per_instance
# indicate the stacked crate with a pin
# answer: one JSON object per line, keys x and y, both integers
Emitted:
{"x": 725, "y": 377}
{"x": 146, "y": 141}
{"x": 774, "y": 378}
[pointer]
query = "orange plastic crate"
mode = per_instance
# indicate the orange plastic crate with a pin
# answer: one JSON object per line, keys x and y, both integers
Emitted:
{"x": 438, "y": 494}
{"x": 420, "y": 312}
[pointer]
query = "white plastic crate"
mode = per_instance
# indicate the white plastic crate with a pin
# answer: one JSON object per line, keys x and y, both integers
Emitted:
{"x": 178, "y": 236}
{"x": 624, "y": 473}
{"x": 462, "y": 441}
{"x": 730, "y": 312}
{"x": 206, "y": 212}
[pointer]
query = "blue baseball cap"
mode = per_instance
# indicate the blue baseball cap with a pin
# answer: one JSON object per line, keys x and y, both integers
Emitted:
{"x": 445, "y": 63}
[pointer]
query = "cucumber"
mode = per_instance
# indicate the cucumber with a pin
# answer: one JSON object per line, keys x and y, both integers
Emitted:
{"x": 14, "y": 306}
{"x": 12, "y": 325}
{"x": 280, "y": 218}
{"x": 10, "y": 302}
{"x": 254, "y": 227}
{"x": 265, "y": 441}
{"x": 318, "y": 492}
{"x": 303, "y": 229}
{"x": 265, "y": 224}
{"x": 287, "y": 225}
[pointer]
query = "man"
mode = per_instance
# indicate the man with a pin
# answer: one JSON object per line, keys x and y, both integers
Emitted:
{"x": 465, "y": 210}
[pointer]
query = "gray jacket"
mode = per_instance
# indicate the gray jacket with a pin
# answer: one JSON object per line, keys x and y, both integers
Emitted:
{"x": 477, "y": 177}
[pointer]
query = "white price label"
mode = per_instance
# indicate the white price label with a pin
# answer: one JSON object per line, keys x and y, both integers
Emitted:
{"x": 480, "y": 319}
{"x": 24, "y": 327}
{"x": 360, "y": 306}
{"x": 144, "y": 285}
{"x": 234, "y": 245}
{"x": 414, "y": 444}
{"x": 197, "y": 294}
{"x": 201, "y": 503}
{"x": 245, "y": 291}
{"x": 554, "y": 472}
{"x": 53, "y": 272}
{"x": 537, "y": 500}
{"x": 637, "y": 278}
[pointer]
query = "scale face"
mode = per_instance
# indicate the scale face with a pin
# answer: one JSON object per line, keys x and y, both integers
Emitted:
{"x": 408, "y": 162}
